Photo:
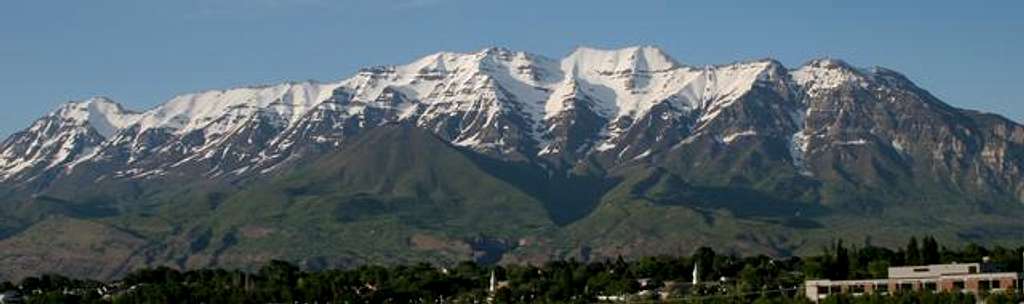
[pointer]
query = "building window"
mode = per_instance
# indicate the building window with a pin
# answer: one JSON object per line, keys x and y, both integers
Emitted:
{"x": 857, "y": 289}
{"x": 920, "y": 269}
{"x": 836, "y": 289}
{"x": 823, "y": 290}
{"x": 972, "y": 269}
{"x": 997, "y": 284}
{"x": 930, "y": 286}
{"x": 906, "y": 286}
{"x": 959, "y": 285}
{"x": 984, "y": 285}
{"x": 880, "y": 288}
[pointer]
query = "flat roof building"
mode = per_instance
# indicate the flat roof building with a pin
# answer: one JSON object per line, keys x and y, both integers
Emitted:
{"x": 968, "y": 278}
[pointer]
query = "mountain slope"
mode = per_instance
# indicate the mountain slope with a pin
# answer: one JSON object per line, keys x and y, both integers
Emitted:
{"x": 500, "y": 155}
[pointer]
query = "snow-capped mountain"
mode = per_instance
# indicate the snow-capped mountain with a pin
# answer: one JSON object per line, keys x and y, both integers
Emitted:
{"x": 511, "y": 155}
{"x": 611, "y": 107}
{"x": 71, "y": 133}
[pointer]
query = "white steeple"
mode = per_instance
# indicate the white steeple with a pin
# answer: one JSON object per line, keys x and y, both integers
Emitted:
{"x": 494, "y": 283}
{"x": 696, "y": 274}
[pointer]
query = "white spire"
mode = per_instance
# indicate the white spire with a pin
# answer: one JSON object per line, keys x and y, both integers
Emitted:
{"x": 494, "y": 283}
{"x": 696, "y": 274}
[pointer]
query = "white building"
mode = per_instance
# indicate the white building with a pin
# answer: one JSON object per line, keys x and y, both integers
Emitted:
{"x": 968, "y": 278}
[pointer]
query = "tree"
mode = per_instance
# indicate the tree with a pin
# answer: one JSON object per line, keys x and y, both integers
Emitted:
{"x": 752, "y": 278}
{"x": 279, "y": 272}
{"x": 280, "y": 280}
{"x": 878, "y": 269}
{"x": 647, "y": 267}
{"x": 913, "y": 253}
{"x": 841, "y": 268}
{"x": 704, "y": 260}
{"x": 814, "y": 269}
{"x": 930, "y": 251}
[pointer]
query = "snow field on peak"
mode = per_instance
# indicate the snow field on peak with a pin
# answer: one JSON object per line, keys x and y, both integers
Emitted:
{"x": 104, "y": 115}
{"x": 825, "y": 74}
{"x": 191, "y": 112}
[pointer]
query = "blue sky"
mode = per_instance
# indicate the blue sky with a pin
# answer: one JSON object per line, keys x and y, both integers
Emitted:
{"x": 142, "y": 52}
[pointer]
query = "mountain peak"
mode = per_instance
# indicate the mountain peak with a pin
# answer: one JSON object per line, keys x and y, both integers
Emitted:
{"x": 636, "y": 59}
{"x": 826, "y": 73}
{"x": 444, "y": 62}
{"x": 496, "y": 50}
{"x": 97, "y": 101}
{"x": 103, "y": 114}
{"x": 437, "y": 64}
{"x": 891, "y": 77}
{"x": 828, "y": 62}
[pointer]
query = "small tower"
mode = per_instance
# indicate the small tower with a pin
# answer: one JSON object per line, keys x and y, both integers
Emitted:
{"x": 494, "y": 283}
{"x": 493, "y": 289}
{"x": 696, "y": 274}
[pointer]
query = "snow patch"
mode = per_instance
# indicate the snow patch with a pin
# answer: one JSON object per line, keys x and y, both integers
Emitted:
{"x": 799, "y": 144}
{"x": 643, "y": 155}
{"x": 732, "y": 137}
{"x": 857, "y": 142}
{"x": 826, "y": 74}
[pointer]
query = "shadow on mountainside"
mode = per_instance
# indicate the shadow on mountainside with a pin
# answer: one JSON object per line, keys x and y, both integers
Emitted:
{"x": 567, "y": 198}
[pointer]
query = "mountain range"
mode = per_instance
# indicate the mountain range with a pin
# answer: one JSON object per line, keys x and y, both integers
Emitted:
{"x": 503, "y": 156}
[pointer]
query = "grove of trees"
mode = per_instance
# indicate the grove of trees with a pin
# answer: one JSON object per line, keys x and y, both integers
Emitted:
{"x": 725, "y": 279}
